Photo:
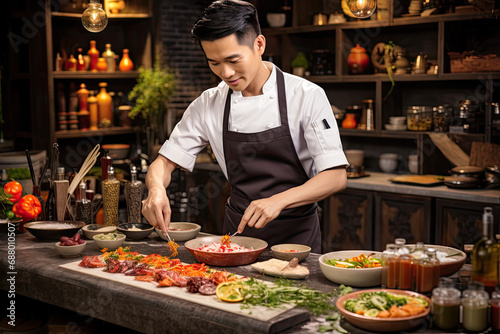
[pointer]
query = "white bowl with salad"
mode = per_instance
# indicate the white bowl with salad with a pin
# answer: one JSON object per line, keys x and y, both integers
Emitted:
{"x": 358, "y": 268}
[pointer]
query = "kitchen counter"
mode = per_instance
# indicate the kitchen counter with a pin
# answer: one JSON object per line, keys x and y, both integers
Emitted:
{"x": 377, "y": 181}
{"x": 38, "y": 276}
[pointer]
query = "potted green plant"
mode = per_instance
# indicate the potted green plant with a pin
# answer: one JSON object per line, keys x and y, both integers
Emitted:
{"x": 154, "y": 88}
{"x": 299, "y": 64}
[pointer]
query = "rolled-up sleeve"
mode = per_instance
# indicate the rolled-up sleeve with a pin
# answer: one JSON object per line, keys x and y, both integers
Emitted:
{"x": 321, "y": 132}
{"x": 188, "y": 137}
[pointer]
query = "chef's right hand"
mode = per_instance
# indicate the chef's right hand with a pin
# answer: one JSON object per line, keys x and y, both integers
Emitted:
{"x": 156, "y": 209}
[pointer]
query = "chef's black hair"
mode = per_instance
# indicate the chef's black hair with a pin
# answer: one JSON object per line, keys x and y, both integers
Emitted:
{"x": 226, "y": 17}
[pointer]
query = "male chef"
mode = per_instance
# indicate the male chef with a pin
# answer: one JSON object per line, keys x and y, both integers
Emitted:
{"x": 273, "y": 134}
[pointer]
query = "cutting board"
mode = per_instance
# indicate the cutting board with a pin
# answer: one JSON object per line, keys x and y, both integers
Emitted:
{"x": 419, "y": 180}
{"x": 255, "y": 312}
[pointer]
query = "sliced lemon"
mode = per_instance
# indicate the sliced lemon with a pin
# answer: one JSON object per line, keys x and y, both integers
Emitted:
{"x": 230, "y": 291}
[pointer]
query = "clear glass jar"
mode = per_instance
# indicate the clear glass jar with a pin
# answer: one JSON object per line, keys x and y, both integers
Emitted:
{"x": 475, "y": 308}
{"x": 495, "y": 309}
{"x": 446, "y": 305}
{"x": 110, "y": 196}
{"x": 427, "y": 272}
{"x": 419, "y": 118}
{"x": 133, "y": 195}
{"x": 389, "y": 266}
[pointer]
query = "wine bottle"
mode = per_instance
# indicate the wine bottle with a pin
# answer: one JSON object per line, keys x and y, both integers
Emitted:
{"x": 485, "y": 254}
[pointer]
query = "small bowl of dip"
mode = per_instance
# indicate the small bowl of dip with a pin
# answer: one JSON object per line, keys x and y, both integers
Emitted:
{"x": 111, "y": 241}
{"x": 289, "y": 251}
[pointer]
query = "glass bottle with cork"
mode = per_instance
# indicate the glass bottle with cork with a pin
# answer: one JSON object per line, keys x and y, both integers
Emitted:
{"x": 83, "y": 206}
{"x": 105, "y": 106}
{"x": 110, "y": 195}
{"x": 446, "y": 305}
{"x": 94, "y": 55}
{"x": 106, "y": 162}
{"x": 83, "y": 114}
{"x": 485, "y": 254}
{"x": 475, "y": 303}
{"x": 93, "y": 111}
{"x": 133, "y": 195}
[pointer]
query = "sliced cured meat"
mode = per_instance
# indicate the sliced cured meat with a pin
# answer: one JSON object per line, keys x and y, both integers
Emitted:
{"x": 208, "y": 289}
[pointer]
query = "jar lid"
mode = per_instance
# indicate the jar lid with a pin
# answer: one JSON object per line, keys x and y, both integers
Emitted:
{"x": 358, "y": 49}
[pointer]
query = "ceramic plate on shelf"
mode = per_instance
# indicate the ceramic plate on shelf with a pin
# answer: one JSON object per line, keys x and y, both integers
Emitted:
{"x": 395, "y": 127}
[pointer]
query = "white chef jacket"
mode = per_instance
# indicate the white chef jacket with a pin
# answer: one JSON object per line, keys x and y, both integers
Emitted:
{"x": 317, "y": 146}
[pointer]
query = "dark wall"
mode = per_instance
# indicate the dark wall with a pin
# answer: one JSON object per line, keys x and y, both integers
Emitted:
{"x": 181, "y": 53}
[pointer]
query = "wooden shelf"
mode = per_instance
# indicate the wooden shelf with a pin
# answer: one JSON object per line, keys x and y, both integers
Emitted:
{"x": 382, "y": 77}
{"x": 361, "y": 24}
{"x": 65, "y": 15}
{"x": 95, "y": 75}
{"x": 101, "y": 132}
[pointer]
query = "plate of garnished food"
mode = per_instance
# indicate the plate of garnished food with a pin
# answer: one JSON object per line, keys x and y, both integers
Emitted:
{"x": 384, "y": 310}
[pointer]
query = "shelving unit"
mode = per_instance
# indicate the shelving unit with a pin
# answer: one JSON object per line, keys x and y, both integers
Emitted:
{"x": 434, "y": 35}
{"x": 130, "y": 29}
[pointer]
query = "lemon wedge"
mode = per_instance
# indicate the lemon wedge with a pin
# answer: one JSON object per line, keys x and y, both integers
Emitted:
{"x": 230, "y": 291}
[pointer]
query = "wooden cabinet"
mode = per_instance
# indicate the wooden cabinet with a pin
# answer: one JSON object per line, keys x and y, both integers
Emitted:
{"x": 459, "y": 223}
{"x": 433, "y": 36}
{"x": 401, "y": 216}
{"x": 347, "y": 221}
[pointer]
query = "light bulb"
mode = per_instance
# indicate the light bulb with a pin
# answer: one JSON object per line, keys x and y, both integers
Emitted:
{"x": 94, "y": 18}
{"x": 362, "y": 8}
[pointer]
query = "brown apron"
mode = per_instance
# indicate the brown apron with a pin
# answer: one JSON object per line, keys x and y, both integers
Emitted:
{"x": 263, "y": 164}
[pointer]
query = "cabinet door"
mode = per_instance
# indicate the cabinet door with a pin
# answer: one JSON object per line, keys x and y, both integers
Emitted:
{"x": 401, "y": 216}
{"x": 459, "y": 223}
{"x": 347, "y": 222}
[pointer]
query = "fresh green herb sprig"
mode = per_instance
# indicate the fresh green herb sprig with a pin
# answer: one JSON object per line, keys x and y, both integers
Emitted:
{"x": 288, "y": 292}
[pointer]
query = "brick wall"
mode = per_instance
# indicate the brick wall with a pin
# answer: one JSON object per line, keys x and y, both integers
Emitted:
{"x": 182, "y": 54}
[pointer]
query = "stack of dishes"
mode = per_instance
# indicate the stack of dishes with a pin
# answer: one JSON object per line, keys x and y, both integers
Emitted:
{"x": 415, "y": 7}
{"x": 396, "y": 123}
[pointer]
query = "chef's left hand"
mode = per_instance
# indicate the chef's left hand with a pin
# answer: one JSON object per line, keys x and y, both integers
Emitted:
{"x": 260, "y": 212}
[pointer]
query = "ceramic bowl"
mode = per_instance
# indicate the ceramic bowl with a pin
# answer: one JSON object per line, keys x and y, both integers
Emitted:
{"x": 70, "y": 251}
{"x": 110, "y": 244}
{"x": 226, "y": 259}
{"x": 93, "y": 229}
{"x": 276, "y": 20}
{"x": 374, "y": 324}
{"x": 117, "y": 151}
{"x": 395, "y": 127}
{"x": 357, "y": 277}
{"x": 136, "y": 231}
{"x": 397, "y": 120}
{"x": 181, "y": 231}
{"x": 355, "y": 157}
{"x": 53, "y": 230}
{"x": 282, "y": 251}
{"x": 388, "y": 162}
{"x": 449, "y": 267}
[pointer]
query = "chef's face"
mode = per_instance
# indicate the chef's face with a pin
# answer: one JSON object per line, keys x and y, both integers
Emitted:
{"x": 240, "y": 66}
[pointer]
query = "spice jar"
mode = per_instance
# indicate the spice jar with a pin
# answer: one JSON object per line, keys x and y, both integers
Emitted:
{"x": 110, "y": 194}
{"x": 389, "y": 267}
{"x": 133, "y": 195}
{"x": 475, "y": 308}
{"x": 419, "y": 118}
{"x": 427, "y": 272}
{"x": 495, "y": 309}
{"x": 446, "y": 305}
{"x": 442, "y": 115}
{"x": 83, "y": 205}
